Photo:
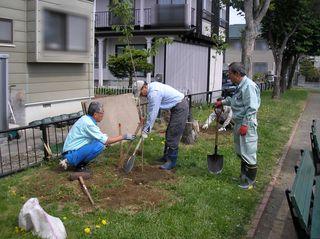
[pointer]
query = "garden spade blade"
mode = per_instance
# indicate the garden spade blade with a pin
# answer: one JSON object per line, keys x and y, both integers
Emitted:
{"x": 215, "y": 161}
{"x": 130, "y": 162}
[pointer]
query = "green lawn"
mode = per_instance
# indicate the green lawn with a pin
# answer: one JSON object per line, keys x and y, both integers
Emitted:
{"x": 193, "y": 203}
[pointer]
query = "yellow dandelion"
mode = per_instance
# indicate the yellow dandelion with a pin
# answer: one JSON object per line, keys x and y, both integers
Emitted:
{"x": 97, "y": 226}
{"x": 64, "y": 218}
{"x": 151, "y": 139}
{"x": 162, "y": 142}
{"x": 104, "y": 222}
{"x": 87, "y": 230}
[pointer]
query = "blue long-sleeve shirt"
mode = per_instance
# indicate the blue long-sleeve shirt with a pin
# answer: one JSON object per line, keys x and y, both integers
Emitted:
{"x": 160, "y": 96}
{"x": 83, "y": 132}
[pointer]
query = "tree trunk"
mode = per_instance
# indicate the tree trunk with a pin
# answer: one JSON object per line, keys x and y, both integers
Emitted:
{"x": 130, "y": 81}
{"x": 247, "y": 50}
{"x": 292, "y": 71}
{"x": 284, "y": 70}
{"x": 278, "y": 61}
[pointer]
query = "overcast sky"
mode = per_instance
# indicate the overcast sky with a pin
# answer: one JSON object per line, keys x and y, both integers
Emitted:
{"x": 234, "y": 18}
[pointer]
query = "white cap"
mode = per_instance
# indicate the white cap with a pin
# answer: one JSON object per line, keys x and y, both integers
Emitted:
{"x": 137, "y": 86}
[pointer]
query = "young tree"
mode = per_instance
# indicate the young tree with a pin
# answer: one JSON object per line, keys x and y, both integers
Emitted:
{"x": 282, "y": 20}
{"x": 254, "y": 11}
{"x": 126, "y": 64}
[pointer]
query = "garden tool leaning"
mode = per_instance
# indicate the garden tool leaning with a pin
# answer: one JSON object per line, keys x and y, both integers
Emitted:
{"x": 130, "y": 162}
{"x": 215, "y": 161}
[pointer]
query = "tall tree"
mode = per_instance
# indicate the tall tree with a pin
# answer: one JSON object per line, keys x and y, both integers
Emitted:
{"x": 254, "y": 11}
{"x": 282, "y": 20}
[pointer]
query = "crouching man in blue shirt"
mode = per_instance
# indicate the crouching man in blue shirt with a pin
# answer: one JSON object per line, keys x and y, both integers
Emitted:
{"x": 161, "y": 96}
{"x": 85, "y": 141}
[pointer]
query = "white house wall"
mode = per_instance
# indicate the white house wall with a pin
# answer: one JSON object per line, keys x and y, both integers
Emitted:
{"x": 216, "y": 65}
{"x": 187, "y": 67}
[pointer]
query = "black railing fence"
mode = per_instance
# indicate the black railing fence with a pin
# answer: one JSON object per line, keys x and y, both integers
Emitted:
{"x": 27, "y": 146}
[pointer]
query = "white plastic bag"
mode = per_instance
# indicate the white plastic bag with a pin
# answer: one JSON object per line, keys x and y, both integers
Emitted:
{"x": 33, "y": 217}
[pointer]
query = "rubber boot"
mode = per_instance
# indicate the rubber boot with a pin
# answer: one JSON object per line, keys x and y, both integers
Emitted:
{"x": 172, "y": 159}
{"x": 249, "y": 177}
{"x": 164, "y": 158}
{"x": 243, "y": 170}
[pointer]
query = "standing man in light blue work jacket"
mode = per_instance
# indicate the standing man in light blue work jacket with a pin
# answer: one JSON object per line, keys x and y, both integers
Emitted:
{"x": 85, "y": 141}
{"x": 245, "y": 104}
{"x": 161, "y": 96}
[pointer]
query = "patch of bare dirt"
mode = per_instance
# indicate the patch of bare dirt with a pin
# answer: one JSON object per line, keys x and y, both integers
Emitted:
{"x": 109, "y": 187}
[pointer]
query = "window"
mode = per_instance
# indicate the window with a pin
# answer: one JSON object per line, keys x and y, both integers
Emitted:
{"x": 207, "y": 5}
{"x": 120, "y": 48}
{"x": 65, "y": 32}
{"x": 235, "y": 44}
{"x": 261, "y": 45}
{"x": 260, "y": 67}
{"x": 6, "y": 35}
{"x": 171, "y": 1}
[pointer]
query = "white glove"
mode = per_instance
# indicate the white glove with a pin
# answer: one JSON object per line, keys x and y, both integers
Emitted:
{"x": 144, "y": 135}
{"x": 128, "y": 136}
{"x": 205, "y": 126}
{"x": 222, "y": 129}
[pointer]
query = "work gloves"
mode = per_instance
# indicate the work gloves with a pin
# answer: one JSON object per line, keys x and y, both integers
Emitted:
{"x": 218, "y": 104}
{"x": 205, "y": 126}
{"x": 243, "y": 130}
{"x": 144, "y": 135}
{"x": 221, "y": 129}
{"x": 128, "y": 136}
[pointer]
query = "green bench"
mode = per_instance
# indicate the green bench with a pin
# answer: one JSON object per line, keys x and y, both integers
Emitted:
{"x": 315, "y": 141}
{"x": 304, "y": 199}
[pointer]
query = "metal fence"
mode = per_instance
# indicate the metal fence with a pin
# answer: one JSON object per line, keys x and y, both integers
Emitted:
{"x": 23, "y": 147}
{"x": 111, "y": 90}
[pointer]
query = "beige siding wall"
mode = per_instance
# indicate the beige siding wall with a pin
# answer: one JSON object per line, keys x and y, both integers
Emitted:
{"x": 34, "y": 83}
{"x": 16, "y": 10}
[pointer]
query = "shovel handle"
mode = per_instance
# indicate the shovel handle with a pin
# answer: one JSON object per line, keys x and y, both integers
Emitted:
{"x": 135, "y": 133}
{"x": 85, "y": 190}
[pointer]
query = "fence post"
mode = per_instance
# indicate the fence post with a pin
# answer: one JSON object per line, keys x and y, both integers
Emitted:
{"x": 189, "y": 96}
{"x": 43, "y": 129}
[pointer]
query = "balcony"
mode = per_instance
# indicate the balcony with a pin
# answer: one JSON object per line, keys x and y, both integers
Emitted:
{"x": 159, "y": 16}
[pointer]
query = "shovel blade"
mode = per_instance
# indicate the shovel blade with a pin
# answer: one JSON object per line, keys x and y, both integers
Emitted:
{"x": 129, "y": 164}
{"x": 215, "y": 163}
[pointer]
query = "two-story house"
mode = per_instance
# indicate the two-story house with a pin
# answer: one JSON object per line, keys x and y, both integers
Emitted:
{"x": 262, "y": 62}
{"x": 46, "y": 48}
{"x": 190, "y": 63}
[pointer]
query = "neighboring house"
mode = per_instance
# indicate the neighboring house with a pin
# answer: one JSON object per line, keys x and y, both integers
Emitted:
{"x": 262, "y": 62}
{"x": 189, "y": 63}
{"x": 49, "y": 44}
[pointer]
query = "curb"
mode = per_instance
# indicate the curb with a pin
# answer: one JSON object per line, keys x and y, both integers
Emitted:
{"x": 265, "y": 199}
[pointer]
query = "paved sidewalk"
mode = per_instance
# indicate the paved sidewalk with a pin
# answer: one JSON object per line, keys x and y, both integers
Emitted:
{"x": 276, "y": 221}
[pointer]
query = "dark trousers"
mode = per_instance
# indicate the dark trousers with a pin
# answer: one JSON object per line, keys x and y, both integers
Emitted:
{"x": 178, "y": 118}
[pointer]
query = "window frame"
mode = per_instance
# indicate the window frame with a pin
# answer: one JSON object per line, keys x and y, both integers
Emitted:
{"x": 65, "y": 30}
{"x": 11, "y": 37}
{"x": 171, "y": 3}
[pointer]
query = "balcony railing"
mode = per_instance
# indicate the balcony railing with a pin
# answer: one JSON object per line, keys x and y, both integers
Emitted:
{"x": 162, "y": 17}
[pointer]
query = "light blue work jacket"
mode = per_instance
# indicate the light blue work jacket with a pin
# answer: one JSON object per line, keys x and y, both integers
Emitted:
{"x": 245, "y": 104}
{"x": 160, "y": 96}
{"x": 83, "y": 132}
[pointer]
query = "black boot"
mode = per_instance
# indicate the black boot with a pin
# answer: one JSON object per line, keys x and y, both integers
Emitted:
{"x": 249, "y": 178}
{"x": 164, "y": 158}
{"x": 243, "y": 170}
{"x": 172, "y": 159}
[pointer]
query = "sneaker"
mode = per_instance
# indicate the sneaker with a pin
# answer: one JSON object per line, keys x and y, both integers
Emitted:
{"x": 64, "y": 164}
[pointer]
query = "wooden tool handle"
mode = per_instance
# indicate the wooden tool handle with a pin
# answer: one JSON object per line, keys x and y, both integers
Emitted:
{"x": 85, "y": 190}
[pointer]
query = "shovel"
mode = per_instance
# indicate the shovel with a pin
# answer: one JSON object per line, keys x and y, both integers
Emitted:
{"x": 215, "y": 161}
{"x": 130, "y": 162}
